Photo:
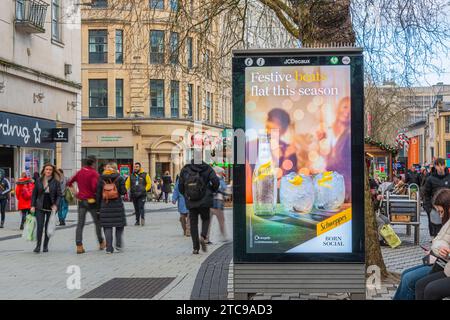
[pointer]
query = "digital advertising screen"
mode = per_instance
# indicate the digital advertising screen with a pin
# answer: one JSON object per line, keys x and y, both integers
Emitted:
{"x": 302, "y": 116}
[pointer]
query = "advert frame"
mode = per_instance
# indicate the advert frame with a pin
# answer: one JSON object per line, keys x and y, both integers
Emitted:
{"x": 274, "y": 58}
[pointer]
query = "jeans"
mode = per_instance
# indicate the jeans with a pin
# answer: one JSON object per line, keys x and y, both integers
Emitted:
{"x": 407, "y": 287}
{"x": 63, "y": 210}
{"x": 166, "y": 196}
{"x": 3, "y": 203}
{"x": 193, "y": 219}
{"x": 83, "y": 208}
{"x": 109, "y": 238}
{"x": 435, "y": 286}
{"x": 42, "y": 218}
{"x": 139, "y": 207}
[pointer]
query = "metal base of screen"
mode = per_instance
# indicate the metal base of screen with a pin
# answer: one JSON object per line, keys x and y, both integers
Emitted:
{"x": 250, "y": 279}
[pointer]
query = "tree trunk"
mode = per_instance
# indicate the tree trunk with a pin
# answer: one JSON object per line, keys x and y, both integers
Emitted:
{"x": 373, "y": 250}
{"x": 329, "y": 23}
{"x": 324, "y": 22}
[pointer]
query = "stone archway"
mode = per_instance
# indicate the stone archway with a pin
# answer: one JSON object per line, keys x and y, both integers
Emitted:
{"x": 167, "y": 152}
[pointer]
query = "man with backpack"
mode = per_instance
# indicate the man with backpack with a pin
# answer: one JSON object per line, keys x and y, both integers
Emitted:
{"x": 198, "y": 183}
{"x": 87, "y": 179}
{"x": 139, "y": 183}
{"x": 5, "y": 189}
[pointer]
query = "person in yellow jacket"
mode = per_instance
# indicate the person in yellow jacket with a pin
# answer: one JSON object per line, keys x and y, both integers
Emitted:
{"x": 139, "y": 183}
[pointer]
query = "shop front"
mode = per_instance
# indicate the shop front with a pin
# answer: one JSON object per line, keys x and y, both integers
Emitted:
{"x": 24, "y": 146}
{"x": 123, "y": 156}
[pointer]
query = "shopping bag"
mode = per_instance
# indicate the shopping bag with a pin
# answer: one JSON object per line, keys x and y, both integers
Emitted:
{"x": 389, "y": 235}
{"x": 51, "y": 227}
{"x": 29, "y": 229}
{"x": 69, "y": 196}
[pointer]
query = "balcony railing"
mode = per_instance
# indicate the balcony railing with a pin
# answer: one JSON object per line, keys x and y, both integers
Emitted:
{"x": 30, "y": 15}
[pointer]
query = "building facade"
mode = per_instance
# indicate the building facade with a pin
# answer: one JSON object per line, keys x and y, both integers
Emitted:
{"x": 146, "y": 84}
{"x": 40, "y": 85}
{"x": 419, "y": 100}
{"x": 440, "y": 123}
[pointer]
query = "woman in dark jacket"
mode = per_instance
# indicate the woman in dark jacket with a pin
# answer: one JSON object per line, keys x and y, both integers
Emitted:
{"x": 45, "y": 199}
{"x": 167, "y": 185}
{"x": 112, "y": 211}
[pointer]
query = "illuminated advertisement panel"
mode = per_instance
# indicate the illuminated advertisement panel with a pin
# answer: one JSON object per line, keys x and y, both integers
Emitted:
{"x": 300, "y": 194}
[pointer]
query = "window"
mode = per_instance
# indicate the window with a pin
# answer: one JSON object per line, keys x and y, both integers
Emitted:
{"x": 174, "y": 5}
{"x": 56, "y": 20}
{"x": 208, "y": 64}
{"x": 447, "y": 148}
{"x": 20, "y": 10}
{"x": 173, "y": 48}
{"x": 198, "y": 52}
{"x": 98, "y": 98}
{"x": 208, "y": 106}
{"x": 157, "y": 98}
{"x": 174, "y": 99}
{"x": 99, "y": 3}
{"x": 156, "y": 47}
{"x": 189, "y": 52}
{"x": 157, "y": 4}
{"x": 119, "y": 98}
{"x": 98, "y": 46}
{"x": 189, "y": 102}
{"x": 199, "y": 103}
{"x": 447, "y": 124}
{"x": 119, "y": 46}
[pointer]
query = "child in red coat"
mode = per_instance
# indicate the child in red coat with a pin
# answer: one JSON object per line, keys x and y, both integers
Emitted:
{"x": 24, "y": 190}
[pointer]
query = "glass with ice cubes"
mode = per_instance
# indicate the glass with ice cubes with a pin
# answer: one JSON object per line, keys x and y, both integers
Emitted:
{"x": 297, "y": 193}
{"x": 329, "y": 191}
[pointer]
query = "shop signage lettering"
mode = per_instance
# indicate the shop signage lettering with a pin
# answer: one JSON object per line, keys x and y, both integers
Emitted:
{"x": 23, "y": 131}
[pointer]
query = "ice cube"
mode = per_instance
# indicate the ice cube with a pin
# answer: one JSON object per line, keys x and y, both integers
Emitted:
{"x": 297, "y": 192}
{"x": 329, "y": 191}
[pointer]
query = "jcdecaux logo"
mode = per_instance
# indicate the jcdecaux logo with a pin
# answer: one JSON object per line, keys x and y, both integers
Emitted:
{"x": 297, "y": 61}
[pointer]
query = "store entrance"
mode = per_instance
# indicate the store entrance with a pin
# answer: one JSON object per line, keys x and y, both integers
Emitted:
{"x": 7, "y": 164}
{"x": 161, "y": 168}
{"x": 7, "y": 159}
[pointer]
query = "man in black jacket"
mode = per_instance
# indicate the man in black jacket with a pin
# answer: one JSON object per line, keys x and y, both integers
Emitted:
{"x": 437, "y": 180}
{"x": 198, "y": 183}
{"x": 413, "y": 177}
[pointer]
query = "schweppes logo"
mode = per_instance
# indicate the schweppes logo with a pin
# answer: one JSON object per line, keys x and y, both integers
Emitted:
{"x": 334, "y": 221}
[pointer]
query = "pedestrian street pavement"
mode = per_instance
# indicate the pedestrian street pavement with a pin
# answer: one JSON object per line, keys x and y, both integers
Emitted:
{"x": 156, "y": 250}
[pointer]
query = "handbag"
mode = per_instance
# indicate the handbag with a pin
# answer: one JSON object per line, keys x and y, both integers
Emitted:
{"x": 439, "y": 265}
{"x": 51, "y": 227}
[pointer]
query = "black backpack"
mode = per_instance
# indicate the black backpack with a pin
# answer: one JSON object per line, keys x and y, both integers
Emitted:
{"x": 194, "y": 186}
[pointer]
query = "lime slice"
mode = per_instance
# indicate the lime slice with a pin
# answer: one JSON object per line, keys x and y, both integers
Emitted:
{"x": 297, "y": 181}
{"x": 326, "y": 178}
